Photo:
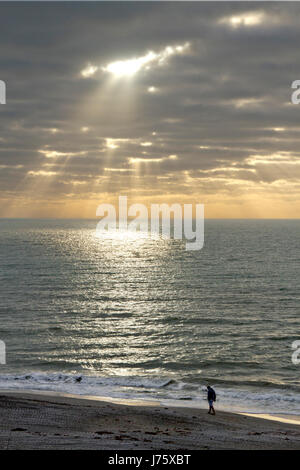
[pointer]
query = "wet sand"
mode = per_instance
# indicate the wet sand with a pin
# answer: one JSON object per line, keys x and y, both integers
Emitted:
{"x": 49, "y": 421}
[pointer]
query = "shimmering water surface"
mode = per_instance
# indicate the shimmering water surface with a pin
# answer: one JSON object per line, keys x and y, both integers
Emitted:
{"x": 141, "y": 318}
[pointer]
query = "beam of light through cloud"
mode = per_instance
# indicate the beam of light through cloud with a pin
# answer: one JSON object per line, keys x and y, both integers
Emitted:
{"x": 129, "y": 67}
{"x": 134, "y": 160}
{"x": 285, "y": 158}
{"x": 53, "y": 130}
{"x": 55, "y": 154}
{"x": 244, "y": 19}
{"x": 119, "y": 170}
{"x": 113, "y": 144}
{"x": 89, "y": 71}
{"x": 41, "y": 173}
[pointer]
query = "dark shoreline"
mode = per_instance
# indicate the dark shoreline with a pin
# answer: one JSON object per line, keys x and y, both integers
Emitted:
{"x": 45, "y": 421}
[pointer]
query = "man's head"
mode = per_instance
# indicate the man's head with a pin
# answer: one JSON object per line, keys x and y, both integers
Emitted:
{"x": 208, "y": 387}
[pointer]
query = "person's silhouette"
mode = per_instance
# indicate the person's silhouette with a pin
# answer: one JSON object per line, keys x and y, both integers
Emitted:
{"x": 211, "y": 397}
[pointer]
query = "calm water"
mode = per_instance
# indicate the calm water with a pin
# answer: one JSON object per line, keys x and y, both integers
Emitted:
{"x": 147, "y": 319}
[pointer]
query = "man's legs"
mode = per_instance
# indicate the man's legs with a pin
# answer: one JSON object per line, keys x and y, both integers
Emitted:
{"x": 211, "y": 408}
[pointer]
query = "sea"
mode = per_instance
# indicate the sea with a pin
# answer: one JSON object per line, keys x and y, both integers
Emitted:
{"x": 129, "y": 317}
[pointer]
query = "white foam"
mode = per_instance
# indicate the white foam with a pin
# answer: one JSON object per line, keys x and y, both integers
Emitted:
{"x": 164, "y": 389}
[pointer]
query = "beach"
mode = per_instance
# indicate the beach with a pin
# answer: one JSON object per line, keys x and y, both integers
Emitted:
{"x": 48, "y": 421}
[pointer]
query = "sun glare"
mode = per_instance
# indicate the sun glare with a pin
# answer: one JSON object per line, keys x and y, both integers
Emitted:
{"x": 128, "y": 68}
{"x": 244, "y": 19}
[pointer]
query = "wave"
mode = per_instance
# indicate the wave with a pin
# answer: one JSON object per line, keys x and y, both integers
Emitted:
{"x": 165, "y": 390}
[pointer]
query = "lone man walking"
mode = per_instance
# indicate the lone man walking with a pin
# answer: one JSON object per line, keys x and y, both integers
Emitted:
{"x": 211, "y": 397}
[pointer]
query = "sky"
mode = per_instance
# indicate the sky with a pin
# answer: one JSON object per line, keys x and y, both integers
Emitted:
{"x": 175, "y": 102}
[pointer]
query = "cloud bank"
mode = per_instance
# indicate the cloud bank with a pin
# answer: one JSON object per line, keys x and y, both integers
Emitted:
{"x": 157, "y": 101}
